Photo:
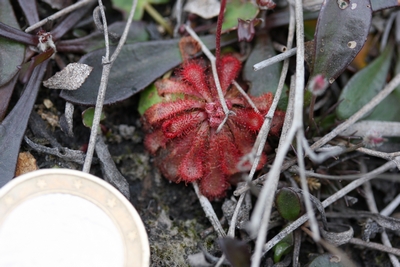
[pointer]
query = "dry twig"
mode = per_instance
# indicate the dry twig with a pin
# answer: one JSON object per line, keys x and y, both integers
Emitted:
{"x": 107, "y": 64}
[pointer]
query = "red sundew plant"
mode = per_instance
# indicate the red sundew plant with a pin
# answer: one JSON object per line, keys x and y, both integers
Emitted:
{"x": 182, "y": 132}
{"x": 188, "y": 132}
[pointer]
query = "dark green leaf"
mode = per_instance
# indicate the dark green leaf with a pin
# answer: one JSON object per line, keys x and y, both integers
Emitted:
{"x": 137, "y": 66}
{"x": 289, "y": 204}
{"x": 148, "y": 97}
{"x": 266, "y": 79}
{"x": 88, "y": 115}
{"x": 11, "y": 53}
{"x": 389, "y": 108}
{"x": 342, "y": 30}
{"x": 364, "y": 85}
{"x": 283, "y": 247}
{"x": 12, "y": 129}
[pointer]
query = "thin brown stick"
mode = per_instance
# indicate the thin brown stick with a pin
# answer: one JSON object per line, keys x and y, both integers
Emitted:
{"x": 376, "y": 246}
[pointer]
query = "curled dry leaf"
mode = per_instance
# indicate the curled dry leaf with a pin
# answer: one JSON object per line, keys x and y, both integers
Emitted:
{"x": 339, "y": 234}
{"x": 70, "y": 78}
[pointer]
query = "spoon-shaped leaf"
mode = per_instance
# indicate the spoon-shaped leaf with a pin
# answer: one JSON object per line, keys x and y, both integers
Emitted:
{"x": 364, "y": 85}
{"x": 288, "y": 204}
{"x": 342, "y": 30}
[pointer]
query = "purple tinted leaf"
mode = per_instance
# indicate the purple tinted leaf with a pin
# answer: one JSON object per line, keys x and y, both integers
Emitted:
{"x": 342, "y": 30}
{"x": 12, "y": 129}
{"x": 236, "y": 252}
{"x": 137, "y": 66}
{"x": 137, "y": 33}
{"x": 69, "y": 22}
{"x": 17, "y": 35}
{"x": 5, "y": 96}
{"x": 29, "y": 8}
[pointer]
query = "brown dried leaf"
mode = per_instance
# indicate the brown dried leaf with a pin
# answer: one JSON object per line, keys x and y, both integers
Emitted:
{"x": 26, "y": 163}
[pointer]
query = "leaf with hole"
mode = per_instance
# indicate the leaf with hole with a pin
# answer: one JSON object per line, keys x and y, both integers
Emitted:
{"x": 342, "y": 30}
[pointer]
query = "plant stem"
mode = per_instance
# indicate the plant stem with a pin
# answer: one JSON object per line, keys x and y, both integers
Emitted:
{"x": 218, "y": 33}
{"x": 157, "y": 17}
